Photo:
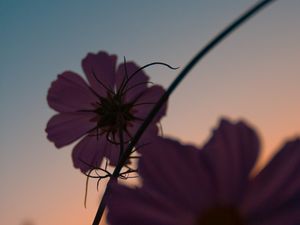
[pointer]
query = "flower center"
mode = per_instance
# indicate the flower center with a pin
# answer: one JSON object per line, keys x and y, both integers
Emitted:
{"x": 114, "y": 114}
{"x": 220, "y": 216}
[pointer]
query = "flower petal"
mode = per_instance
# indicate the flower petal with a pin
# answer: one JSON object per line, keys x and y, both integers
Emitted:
{"x": 287, "y": 215}
{"x": 230, "y": 154}
{"x": 150, "y": 132}
{"x": 134, "y": 207}
{"x": 102, "y": 66}
{"x": 113, "y": 153}
{"x": 277, "y": 187}
{"x": 69, "y": 93}
{"x": 135, "y": 85}
{"x": 64, "y": 128}
{"x": 177, "y": 172}
{"x": 89, "y": 153}
{"x": 146, "y": 102}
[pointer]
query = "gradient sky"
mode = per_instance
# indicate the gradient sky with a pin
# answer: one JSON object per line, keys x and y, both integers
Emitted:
{"x": 254, "y": 74}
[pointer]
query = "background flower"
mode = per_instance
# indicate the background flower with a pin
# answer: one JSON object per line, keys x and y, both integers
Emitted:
{"x": 184, "y": 185}
{"x": 115, "y": 100}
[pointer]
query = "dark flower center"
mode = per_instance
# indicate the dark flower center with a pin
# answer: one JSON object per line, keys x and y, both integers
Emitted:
{"x": 220, "y": 216}
{"x": 114, "y": 114}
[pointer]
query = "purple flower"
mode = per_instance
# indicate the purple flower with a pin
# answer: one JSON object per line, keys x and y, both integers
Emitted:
{"x": 112, "y": 105}
{"x": 212, "y": 186}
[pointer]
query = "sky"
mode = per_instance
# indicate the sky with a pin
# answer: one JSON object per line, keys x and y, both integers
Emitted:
{"x": 253, "y": 75}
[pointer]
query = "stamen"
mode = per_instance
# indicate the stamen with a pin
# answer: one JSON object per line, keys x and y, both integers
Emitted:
{"x": 94, "y": 92}
{"x": 99, "y": 177}
{"x": 97, "y": 173}
{"x": 127, "y": 132}
{"x": 98, "y": 182}
{"x": 96, "y": 128}
{"x": 129, "y": 171}
{"x": 105, "y": 87}
{"x": 130, "y": 177}
{"x": 111, "y": 140}
{"x": 141, "y": 68}
{"x": 134, "y": 86}
{"x": 126, "y": 75}
{"x": 106, "y": 164}
{"x": 94, "y": 168}
{"x": 93, "y": 135}
{"x": 134, "y": 157}
{"x": 139, "y": 96}
{"x": 86, "y": 188}
{"x": 122, "y": 177}
{"x": 107, "y": 137}
{"x": 128, "y": 167}
{"x": 121, "y": 144}
{"x": 125, "y": 67}
{"x": 125, "y": 175}
{"x": 139, "y": 147}
{"x": 86, "y": 110}
{"x": 145, "y": 103}
{"x": 91, "y": 130}
{"x": 160, "y": 127}
{"x": 97, "y": 131}
{"x": 138, "y": 118}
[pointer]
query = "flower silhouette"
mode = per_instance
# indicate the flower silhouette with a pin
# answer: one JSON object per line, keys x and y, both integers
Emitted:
{"x": 185, "y": 185}
{"x": 106, "y": 112}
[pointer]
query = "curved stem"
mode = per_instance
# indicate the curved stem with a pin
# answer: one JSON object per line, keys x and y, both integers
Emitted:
{"x": 102, "y": 206}
{"x": 220, "y": 37}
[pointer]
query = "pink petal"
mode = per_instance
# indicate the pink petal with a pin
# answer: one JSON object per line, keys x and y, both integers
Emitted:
{"x": 230, "y": 154}
{"x": 103, "y": 66}
{"x": 136, "y": 84}
{"x": 177, "y": 172}
{"x": 148, "y": 208}
{"x": 146, "y": 102}
{"x": 89, "y": 153}
{"x": 276, "y": 188}
{"x": 113, "y": 154}
{"x": 150, "y": 132}
{"x": 285, "y": 215}
{"x": 69, "y": 93}
{"x": 64, "y": 128}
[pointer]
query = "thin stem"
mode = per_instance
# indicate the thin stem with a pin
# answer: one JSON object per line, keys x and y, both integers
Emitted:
{"x": 101, "y": 206}
{"x": 220, "y": 37}
{"x": 126, "y": 74}
{"x": 141, "y": 68}
{"x": 101, "y": 83}
{"x": 121, "y": 144}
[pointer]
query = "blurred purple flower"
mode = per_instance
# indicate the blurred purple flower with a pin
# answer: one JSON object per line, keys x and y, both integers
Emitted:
{"x": 116, "y": 99}
{"x": 182, "y": 185}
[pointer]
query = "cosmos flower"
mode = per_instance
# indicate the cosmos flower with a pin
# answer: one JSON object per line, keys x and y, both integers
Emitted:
{"x": 106, "y": 111}
{"x": 182, "y": 185}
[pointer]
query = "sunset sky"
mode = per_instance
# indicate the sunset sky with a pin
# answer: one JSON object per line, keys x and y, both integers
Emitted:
{"x": 253, "y": 75}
